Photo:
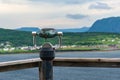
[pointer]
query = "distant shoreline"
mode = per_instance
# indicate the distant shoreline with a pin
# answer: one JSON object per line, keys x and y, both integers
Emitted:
{"x": 37, "y": 51}
{"x": 86, "y": 50}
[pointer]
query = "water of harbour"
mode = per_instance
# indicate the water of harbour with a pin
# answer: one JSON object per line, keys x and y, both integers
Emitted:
{"x": 65, "y": 73}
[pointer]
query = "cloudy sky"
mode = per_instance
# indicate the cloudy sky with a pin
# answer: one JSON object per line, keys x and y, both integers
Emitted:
{"x": 55, "y": 13}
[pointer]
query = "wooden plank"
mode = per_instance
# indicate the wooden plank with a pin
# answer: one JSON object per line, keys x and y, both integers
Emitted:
{"x": 89, "y": 59}
{"x": 64, "y": 62}
{"x": 88, "y": 62}
{"x": 19, "y": 64}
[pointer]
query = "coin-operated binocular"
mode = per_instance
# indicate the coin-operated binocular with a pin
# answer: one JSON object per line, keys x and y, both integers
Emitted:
{"x": 47, "y": 33}
{"x": 47, "y": 53}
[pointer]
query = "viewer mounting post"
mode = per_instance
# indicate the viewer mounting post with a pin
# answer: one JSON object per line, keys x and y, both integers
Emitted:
{"x": 47, "y": 55}
{"x": 47, "y": 52}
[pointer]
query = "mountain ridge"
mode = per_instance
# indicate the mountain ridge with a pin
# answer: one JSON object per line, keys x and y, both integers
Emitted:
{"x": 30, "y": 29}
{"x": 83, "y": 29}
{"x": 111, "y": 25}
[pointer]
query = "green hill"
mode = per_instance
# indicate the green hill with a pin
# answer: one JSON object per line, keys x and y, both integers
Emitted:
{"x": 21, "y": 38}
{"x": 16, "y": 38}
{"x": 111, "y": 24}
{"x": 91, "y": 38}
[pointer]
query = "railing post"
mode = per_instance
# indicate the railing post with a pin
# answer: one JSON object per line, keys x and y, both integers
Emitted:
{"x": 47, "y": 55}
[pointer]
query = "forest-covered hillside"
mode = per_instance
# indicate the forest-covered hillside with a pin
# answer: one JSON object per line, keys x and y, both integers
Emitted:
{"x": 21, "y": 38}
{"x": 111, "y": 24}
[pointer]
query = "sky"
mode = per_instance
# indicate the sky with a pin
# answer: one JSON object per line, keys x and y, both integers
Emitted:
{"x": 55, "y": 13}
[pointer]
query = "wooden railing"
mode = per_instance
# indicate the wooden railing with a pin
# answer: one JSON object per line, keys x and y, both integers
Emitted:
{"x": 65, "y": 62}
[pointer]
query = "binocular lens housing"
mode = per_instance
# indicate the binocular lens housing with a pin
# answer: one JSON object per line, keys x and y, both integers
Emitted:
{"x": 47, "y": 33}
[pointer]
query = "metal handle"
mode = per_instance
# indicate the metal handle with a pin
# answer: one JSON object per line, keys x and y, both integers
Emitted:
{"x": 34, "y": 38}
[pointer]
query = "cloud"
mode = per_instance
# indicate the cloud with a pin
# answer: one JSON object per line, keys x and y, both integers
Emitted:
{"x": 76, "y": 16}
{"x": 13, "y": 1}
{"x": 63, "y": 1}
{"x": 99, "y": 5}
